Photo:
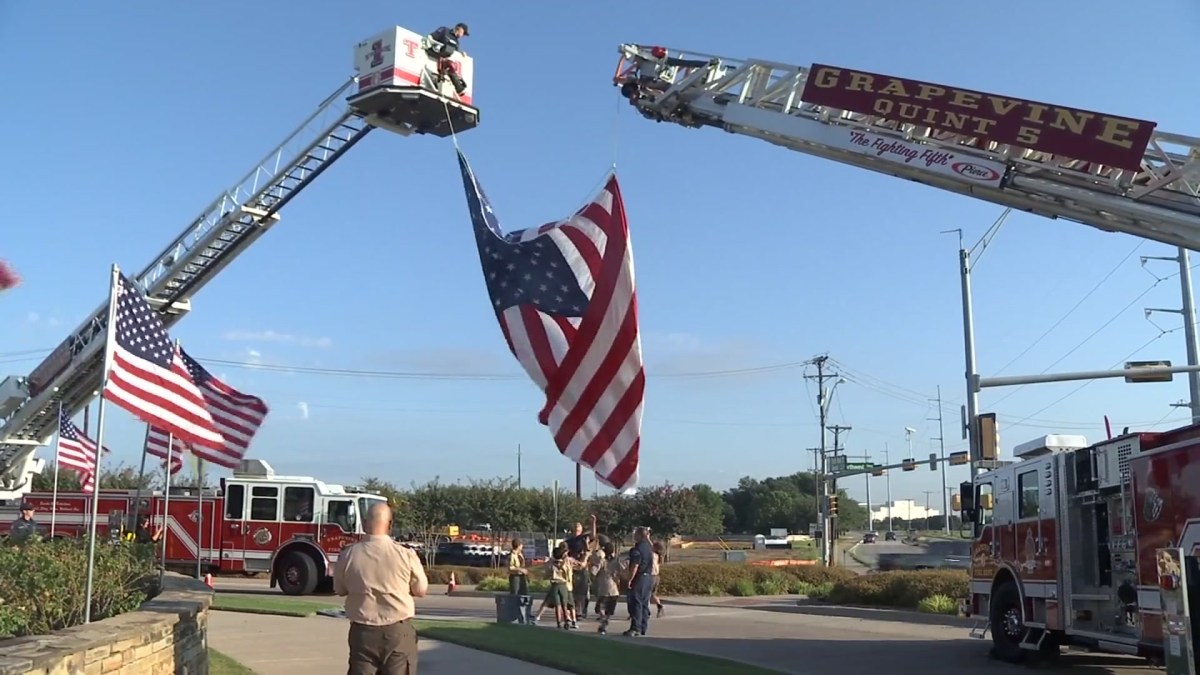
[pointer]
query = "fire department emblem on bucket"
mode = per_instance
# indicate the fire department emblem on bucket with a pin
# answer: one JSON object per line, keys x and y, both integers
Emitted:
{"x": 262, "y": 536}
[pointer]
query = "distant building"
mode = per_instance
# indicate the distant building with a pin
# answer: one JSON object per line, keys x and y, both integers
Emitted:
{"x": 903, "y": 509}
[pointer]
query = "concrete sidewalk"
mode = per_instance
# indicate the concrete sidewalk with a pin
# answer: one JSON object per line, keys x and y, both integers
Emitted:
{"x": 284, "y": 645}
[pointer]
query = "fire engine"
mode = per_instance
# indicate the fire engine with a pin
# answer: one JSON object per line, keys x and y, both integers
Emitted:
{"x": 1073, "y": 543}
{"x": 397, "y": 86}
{"x": 1092, "y": 545}
{"x": 290, "y": 527}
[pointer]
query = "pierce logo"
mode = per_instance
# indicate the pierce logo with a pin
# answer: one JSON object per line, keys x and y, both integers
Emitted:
{"x": 974, "y": 171}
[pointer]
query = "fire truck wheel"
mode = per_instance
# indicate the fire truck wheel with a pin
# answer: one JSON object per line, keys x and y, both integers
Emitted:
{"x": 1008, "y": 625}
{"x": 297, "y": 574}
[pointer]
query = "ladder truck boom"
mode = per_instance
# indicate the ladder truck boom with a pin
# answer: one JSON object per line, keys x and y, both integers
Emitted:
{"x": 1160, "y": 200}
{"x": 396, "y": 87}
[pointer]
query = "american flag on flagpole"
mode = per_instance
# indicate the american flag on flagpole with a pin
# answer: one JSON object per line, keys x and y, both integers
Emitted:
{"x": 237, "y": 415}
{"x": 565, "y": 298}
{"x": 76, "y": 451}
{"x": 146, "y": 376}
{"x": 157, "y": 441}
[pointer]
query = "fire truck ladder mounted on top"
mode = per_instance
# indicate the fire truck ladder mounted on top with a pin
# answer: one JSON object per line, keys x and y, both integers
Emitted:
{"x": 394, "y": 89}
{"x": 762, "y": 99}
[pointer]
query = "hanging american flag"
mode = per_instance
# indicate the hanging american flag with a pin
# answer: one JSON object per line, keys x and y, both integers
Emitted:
{"x": 147, "y": 377}
{"x": 76, "y": 451}
{"x": 237, "y": 415}
{"x": 156, "y": 446}
{"x": 565, "y": 298}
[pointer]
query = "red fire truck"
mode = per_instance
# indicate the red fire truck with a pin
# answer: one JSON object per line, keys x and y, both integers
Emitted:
{"x": 291, "y": 527}
{"x": 1089, "y": 545}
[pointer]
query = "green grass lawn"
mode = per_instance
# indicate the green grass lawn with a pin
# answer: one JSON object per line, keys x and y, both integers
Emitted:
{"x": 219, "y": 664}
{"x": 280, "y": 605}
{"x": 585, "y": 655}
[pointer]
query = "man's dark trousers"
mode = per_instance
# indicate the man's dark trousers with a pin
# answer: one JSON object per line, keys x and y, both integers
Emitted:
{"x": 639, "y": 603}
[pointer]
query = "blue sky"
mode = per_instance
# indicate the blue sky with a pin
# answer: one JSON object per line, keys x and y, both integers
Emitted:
{"x": 128, "y": 121}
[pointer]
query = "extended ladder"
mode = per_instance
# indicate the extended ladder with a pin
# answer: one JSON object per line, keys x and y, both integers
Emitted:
{"x": 762, "y": 99}
{"x": 226, "y": 227}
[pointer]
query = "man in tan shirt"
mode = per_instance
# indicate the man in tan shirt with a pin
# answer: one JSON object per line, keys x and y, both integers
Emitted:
{"x": 379, "y": 579}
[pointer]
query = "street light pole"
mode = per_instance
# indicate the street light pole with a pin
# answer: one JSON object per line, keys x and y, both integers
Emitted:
{"x": 887, "y": 481}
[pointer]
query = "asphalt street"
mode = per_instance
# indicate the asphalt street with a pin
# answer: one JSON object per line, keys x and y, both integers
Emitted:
{"x": 784, "y": 633}
{"x": 868, "y": 553}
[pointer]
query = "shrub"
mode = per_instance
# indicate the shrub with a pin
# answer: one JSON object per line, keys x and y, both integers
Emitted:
{"x": 500, "y": 584}
{"x": 899, "y": 589}
{"x": 938, "y": 604}
{"x": 43, "y": 586}
{"x": 704, "y": 578}
{"x": 440, "y": 574}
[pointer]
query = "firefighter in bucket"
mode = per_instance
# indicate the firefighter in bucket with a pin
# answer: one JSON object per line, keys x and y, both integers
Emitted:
{"x": 442, "y": 44}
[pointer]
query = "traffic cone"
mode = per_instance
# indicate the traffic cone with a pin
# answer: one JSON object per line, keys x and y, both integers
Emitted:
{"x": 453, "y": 583}
{"x": 208, "y": 580}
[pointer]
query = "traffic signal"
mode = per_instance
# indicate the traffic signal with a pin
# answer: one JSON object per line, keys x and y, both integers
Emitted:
{"x": 878, "y": 472}
{"x": 989, "y": 437}
{"x": 958, "y": 458}
{"x": 833, "y": 506}
{"x": 909, "y": 464}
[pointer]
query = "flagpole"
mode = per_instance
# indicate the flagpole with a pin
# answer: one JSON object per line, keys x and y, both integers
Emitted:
{"x": 57, "y": 454}
{"x": 167, "y": 497}
{"x": 109, "y": 338}
{"x": 199, "y": 516}
{"x": 137, "y": 495}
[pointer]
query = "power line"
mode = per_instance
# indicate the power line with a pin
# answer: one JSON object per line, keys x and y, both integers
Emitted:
{"x": 1071, "y": 311}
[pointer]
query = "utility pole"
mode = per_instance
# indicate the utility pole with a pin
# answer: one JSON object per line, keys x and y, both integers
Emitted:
{"x": 518, "y": 466}
{"x": 887, "y": 481}
{"x": 816, "y": 486}
{"x": 827, "y": 547}
{"x": 941, "y": 439}
{"x": 837, "y": 430}
{"x": 927, "y": 493}
{"x": 1188, "y": 312}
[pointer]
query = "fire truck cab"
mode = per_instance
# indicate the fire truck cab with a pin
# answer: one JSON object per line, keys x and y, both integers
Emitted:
{"x": 1089, "y": 545}
{"x": 292, "y": 527}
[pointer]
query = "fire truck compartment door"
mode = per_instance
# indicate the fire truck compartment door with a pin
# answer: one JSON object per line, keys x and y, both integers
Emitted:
{"x": 1179, "y": 581}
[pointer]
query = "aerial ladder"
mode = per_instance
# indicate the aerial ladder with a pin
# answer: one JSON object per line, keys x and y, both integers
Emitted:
{"x": 397, "y": 86}
{"x": 1159, "y": 200}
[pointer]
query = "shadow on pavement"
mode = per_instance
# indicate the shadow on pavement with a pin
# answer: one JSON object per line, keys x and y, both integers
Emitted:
{"x": 867, "y": 613}
{"x": 895, "y": 657}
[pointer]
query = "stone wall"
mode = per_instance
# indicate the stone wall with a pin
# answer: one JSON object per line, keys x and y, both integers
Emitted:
{"x": 168, "y": 635}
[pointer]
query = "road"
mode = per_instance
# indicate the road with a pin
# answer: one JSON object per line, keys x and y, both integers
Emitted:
{"x": 781, "y": 633}
{"x": 868, "y": 553}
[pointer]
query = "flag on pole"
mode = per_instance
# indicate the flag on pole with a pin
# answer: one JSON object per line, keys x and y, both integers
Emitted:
{"x": 237, "y": 416}
{"x": 8, "y": 277}
{"x": 156, "y": 446}
{"x": 76, "y": 451}
{"x": 146, "y": 376}
{"x": 565, "y": 298}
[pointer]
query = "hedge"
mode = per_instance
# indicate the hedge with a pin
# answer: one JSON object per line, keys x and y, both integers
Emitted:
{"x": 43, "y": 584}
{"x": 836, "y": 585}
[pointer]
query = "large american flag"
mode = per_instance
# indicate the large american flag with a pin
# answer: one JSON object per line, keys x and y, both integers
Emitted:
{"x": 76, "y": 451}
{"x": 147, "y": 377}
{"x": 565, "y": 298}
{"x": 157, "y": 441}
{"x": 237, "y": 415}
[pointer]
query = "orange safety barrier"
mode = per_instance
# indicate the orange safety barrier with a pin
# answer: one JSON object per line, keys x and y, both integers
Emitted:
{"x": 782, "y": 563}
